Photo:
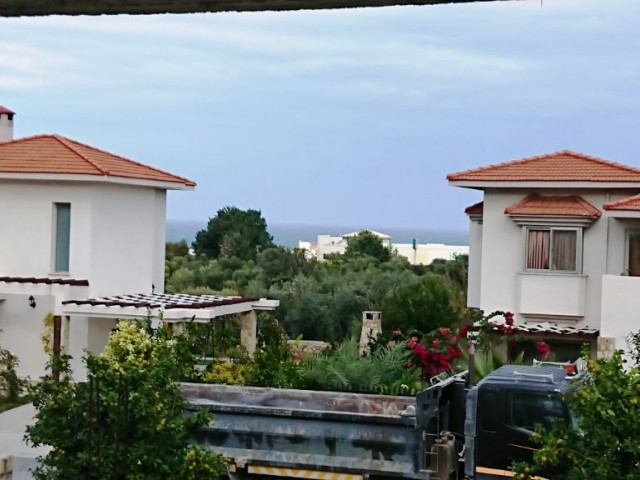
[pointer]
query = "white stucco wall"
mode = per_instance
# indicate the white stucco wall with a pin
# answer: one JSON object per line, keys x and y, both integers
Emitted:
{"x": 26, "y": 211}
{"x": 620, "y": 308}
{"x": 503, "y": 258}
{"x": 22, "y": 329}
{"x": 502, "y": 252}
{"x": 475, "y": 265}
{"x": 126, "y": 256}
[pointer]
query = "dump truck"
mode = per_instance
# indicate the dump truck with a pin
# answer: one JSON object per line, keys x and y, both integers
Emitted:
{"x": 447, "y": 431}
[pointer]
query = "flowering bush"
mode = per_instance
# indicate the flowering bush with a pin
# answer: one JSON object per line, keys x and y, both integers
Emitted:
{"x": 442, "y": 349}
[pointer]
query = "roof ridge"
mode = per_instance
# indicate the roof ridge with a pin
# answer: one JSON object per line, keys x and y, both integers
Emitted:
{"x": 184, "y": 179}
{"x": 535, "y": 196}
{"x": 527, "y": 160}
{"x": 599, "y": 160}
{"x": 622, "y": 201}
{"x": 66, "y": 142}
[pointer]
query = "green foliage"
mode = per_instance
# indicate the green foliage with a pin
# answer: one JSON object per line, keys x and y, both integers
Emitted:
{"x": 279, "y": 264}
{"x": 325, "y": 300}
{"x": 12, "y": 387}
{"x": 176, "y": 249}
{"x": 127, "y": 421}
{"x": 606, "y": 404}
{"x": 489, "y": 359}
{"x": 424, "y": 304}
{"x": 368, "y": 244}
{"x": 273, "y": 364}
{"x": 344, "y": 369}
{"x": 233, "y": 232}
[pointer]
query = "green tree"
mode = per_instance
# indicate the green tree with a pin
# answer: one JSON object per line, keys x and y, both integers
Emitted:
{"x": 176, "y": 249}
{"x": 279, "y": 264}
{"x": 128, "y": 420}
{"x": 233, "y": 233}
{"x": 606, "y": 444}
{"x": 366, "y": 243}
{"x": 424, "y": 304}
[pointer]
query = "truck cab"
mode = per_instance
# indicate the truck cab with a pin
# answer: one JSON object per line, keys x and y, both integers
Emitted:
{"x": 502, "y": 411}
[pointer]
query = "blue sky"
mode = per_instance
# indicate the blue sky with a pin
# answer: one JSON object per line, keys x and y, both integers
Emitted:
{"x": 347, "y": 117}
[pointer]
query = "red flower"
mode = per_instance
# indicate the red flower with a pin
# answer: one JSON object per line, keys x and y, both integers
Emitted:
{"x": 397, "y": 332}
{"x": 464, "y": 330}
{"x": 543, "y": 349}
{"x": 501, "y": 328}
{"x": 436, "y": 344}
{"x": 445, "y": 331}
{"x": 508, "y": 318}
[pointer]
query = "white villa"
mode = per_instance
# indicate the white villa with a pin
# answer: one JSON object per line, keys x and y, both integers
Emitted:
{"x": 84, "y": 241}
{"x": 556, "y": 240}
{"x": 416, "y": 254}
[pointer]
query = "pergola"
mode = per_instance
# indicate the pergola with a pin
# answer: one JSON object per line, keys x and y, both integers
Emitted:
{"x": 176, "y": 309}
{"x": 15, "y": 8}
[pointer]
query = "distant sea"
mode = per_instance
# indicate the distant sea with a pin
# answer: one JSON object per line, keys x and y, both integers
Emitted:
{"x": 289, "y": 235}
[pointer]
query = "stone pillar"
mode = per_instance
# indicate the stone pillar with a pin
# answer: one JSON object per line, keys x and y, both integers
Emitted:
{"x": 249, "y": 331}
{"x": 606, "y": 346}
{"x": 371, "y": 327}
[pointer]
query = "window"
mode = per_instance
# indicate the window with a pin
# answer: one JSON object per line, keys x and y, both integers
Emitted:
{"x": 62, "y": 233}
{"x": 528, "y": 409}
{"x": 554, "y": 249}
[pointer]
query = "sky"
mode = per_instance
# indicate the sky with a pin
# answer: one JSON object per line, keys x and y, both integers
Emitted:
{"x": 337, "y": 117}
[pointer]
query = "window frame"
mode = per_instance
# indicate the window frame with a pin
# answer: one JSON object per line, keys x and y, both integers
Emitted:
{"x": 551, "y": 229}
{"x": 56, "y": 239}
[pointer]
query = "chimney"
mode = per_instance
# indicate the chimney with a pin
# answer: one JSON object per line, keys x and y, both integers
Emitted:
{"x": 6, "y": 124}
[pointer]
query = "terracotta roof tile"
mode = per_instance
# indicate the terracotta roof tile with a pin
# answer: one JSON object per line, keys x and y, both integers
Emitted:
{"x": 475, "y": 209}
{"x": 565, "y": 166}
{"x": 5, "y": 110}
{"x": 55, "y": 154}
{"x": 554, "y": 206}
{"x": 626, "y": 204}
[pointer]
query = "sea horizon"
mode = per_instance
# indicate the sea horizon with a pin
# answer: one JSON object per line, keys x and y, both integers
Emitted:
{"x": 288, "y": 235}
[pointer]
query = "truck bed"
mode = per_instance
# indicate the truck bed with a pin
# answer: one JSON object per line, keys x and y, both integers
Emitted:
{"x": 339, "y": 432}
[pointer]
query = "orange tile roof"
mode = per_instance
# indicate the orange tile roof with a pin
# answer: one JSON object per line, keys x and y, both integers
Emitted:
{"x": 475, "y": 209}
{"x": 54, "y": 154}
{"x": 628, "y": 204}
{"x": 554, "y": 206}
{"x": 565, "y": 166}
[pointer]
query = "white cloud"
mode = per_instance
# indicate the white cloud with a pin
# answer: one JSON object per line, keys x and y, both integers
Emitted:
{"x": 23, "y": 67}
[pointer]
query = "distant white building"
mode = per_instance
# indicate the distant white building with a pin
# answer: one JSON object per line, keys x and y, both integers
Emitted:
{"x": 425, "y": 253}
{"x": 420, "y": 254}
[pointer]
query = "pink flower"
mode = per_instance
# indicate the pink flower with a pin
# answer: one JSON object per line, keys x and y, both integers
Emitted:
{"x": 391, "y": 344}
{"x": 436, "y": 344}
{"x": 411, "y": 344}
{"x": 445, "y": 331}
{"x": 397, "y": 332}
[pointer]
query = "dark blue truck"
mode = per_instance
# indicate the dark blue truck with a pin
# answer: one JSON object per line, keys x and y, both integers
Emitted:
{"x": 445, "y": 432}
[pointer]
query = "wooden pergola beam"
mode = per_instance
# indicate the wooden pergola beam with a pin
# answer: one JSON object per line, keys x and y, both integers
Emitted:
{"x": 16, "y": 8}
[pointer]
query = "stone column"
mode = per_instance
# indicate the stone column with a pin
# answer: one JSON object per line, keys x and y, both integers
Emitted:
{"x": 371, "y": 327}
{"x": 605, "y": 347}
{"x": 249, "y": 331}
